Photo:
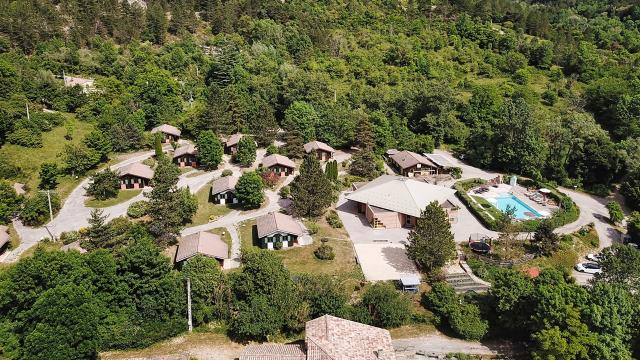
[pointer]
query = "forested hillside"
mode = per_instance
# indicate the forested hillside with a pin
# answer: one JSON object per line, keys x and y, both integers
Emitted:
{"x": 546, "y": 89}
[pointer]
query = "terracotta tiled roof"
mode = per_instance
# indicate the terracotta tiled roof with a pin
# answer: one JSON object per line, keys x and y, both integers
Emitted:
{"x": 204, "y": 243}
{"x": 136, "y": 169}
{"x": 329, "y": 337}
{"x": 273, "y": 352}
{"x": 188, "y": 149}
{"x": 277, "y": 222}
{"x": 167, "y": 129}
{"x": 233, "y": 139}
{"x": 277, "y": 159}
{"x": 4, "y": 235}
{"x": 223, "y": 184}
{"x": 317, "y": 145}
{"x": 406, "y": 159}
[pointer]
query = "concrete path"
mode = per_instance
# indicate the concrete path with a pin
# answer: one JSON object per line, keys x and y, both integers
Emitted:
{"x": 438, "y": 344}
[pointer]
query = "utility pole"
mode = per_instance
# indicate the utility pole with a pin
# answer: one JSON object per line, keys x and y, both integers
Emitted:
{"x": 50, "y": 209}
{"x": 28, "y": 117}
{"x": 189, "y": 305}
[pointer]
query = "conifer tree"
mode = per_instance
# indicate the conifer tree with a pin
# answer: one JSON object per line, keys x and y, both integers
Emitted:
{"x": 431, "y": 242}
{"x": 293, "y": 147}
{"x": 311, "y": 191}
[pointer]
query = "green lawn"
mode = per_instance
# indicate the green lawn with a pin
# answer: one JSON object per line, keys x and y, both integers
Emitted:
{"x": 53, "y": 142}
{"x": 207, "y": 211}
{"x": 123, "y": 195}
{"x": 488, "y": 207}
{"x": 302, "y": 260}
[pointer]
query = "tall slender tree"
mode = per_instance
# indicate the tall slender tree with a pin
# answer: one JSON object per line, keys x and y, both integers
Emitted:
{"x": 209, "y": 150}
{"x": 431, "y": 242}
{"x": 311, "y": 191}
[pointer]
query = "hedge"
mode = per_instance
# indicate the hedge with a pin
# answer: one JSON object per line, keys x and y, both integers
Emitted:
{"x": 566, "y": 214}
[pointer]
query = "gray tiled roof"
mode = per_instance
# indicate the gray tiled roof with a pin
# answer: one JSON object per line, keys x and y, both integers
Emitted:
{"x": 223, "y": 184}
{"x": 167, "y": 129}
{"x": 136, "y": 169}
{"x": 406, "y": 159}
{"x": 204, "y": 243}
{"x": 189, "y": 149}
{"x": 277, "y": 222}
{"x": 277, "y": 159}
{"x": 273, "y": 352}
{"x": 318, "y": 145}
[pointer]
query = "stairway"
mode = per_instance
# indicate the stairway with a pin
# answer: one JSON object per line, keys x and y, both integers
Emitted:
{"x": 462, "y": 282}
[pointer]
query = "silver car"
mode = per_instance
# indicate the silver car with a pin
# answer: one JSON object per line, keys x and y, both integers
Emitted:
{"x": 588, "y": 267}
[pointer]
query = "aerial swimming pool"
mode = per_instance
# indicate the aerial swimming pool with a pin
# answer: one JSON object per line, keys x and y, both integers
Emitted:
{"x": 523, "y": 211}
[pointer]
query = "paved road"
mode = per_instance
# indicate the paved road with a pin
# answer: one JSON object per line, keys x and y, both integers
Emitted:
{"x": 74, "y": 214}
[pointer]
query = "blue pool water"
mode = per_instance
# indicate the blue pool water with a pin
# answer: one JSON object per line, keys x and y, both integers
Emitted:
{"x": 521, "y": 208}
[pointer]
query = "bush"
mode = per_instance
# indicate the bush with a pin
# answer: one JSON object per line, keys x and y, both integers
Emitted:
{"x": 8, "y": 170}
{"x": 463, "y": 318}
{"x": 324, "y": 252}
{"x": 333, "y": 219}
{"x": 313, "y": 228}
{"x": 456, "y": 172}
{"x": 25, "y": 137}
{"x": 138, "y": 209}
{"x": 69, "y": 237}
{"x": 285, "y": 192}
{"x": 226, "y": 172}
{"x": 386, "y": 306}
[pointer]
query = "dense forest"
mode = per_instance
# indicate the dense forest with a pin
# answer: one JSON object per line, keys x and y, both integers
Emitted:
{"x": 544, "y": 89}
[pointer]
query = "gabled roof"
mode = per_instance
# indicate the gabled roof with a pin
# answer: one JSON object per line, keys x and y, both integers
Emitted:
{"x": 224, "y": 184}
{"x": 167, "y": 129}
{"x": 136, "y": 169}
{"x": 406, "y": 159}
{"x": 204, "y": 243}
{"x": 317, "y": 145}
{"x": 330, "y": 337}
{"x": 4, "y": 235}
{"x": 277, "y": 222}
{"x": 188, "y": 149}
{"x": 273, "y": 352}
{"x": 400, "y": 194}
{"x": 233, "y": 139}
{"x": 277, "y": 159}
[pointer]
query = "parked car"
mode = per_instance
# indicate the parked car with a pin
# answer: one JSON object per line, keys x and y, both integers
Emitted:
{"x": 594, "y": 257}
{"x": 588, "y": 267}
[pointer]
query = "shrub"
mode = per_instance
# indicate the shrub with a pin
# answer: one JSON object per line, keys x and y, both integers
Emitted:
{"x": 69, "y": 237}
{"x": 313, "y": 228}
{"x": 285, "y": 192}
{"x": 227, "y": 172}
{"x": 456, "y": 172}
{"x": 277, "y": 244}
{"x": 138, "y": 209}
{"x": 333, "y": 219}
{"x": 270, "y": 178}
{"x": 387, "y": 307}
{"x": 26, "y": 137}
{"x": 463, "y": 318}
{"x": 8, "y": 170}
{"x": 104, "y": 185}
{"x": 616, "y": 214}
{"x": 271, "y": 149}
{"x": 324, "y": 252}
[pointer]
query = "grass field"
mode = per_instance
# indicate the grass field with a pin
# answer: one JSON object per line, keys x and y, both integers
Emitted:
{"x": 53, "y": 142}
{"x": 123, "y": 196}
{"x": 206, "y": 210}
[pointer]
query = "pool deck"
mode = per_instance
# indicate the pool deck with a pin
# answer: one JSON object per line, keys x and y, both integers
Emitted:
{"x": 520, "y": 193}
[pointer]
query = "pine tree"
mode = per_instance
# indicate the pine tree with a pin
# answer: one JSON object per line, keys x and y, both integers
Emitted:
{"x": 209, "y": 150}
{"x": 363, "y": 164}
{"x": 293, "y": 147}
{"x": 99, "y": 232}
{"x": 157, "y": 146}
{"x": 331, "y": 170}
{"x": 311, "y": 191}
{"x": 431, "y": 242}
{"x": 163, "y": 202}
